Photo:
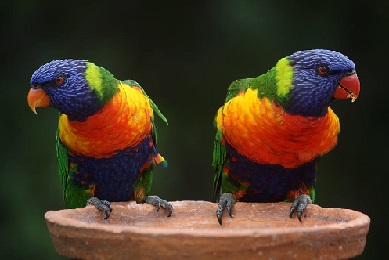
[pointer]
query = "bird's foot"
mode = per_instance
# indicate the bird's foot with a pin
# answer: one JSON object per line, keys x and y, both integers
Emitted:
{"x": 299, "y": 205}
{"x": 103, "y": 205}
{"x": 158, "y": 202}
{"x": 226, "y": 201}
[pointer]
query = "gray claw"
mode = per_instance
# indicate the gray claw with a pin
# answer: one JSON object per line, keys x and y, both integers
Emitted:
{"x": 299, "y": 205}
{"x": 226, "y": 201}
{"x": 158, "y": 202}
{"x": 102, "y": 205}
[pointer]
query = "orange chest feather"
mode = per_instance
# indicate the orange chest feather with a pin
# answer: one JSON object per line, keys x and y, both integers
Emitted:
{"x": 265, "y": 133}
{"x": 123, "y": 122}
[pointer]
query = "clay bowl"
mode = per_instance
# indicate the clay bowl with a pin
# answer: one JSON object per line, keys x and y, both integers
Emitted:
{"x": 262, "y": 229}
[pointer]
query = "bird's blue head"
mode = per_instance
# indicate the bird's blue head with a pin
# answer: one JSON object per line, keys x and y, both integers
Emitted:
{"x": 73, "y": 87}
{"x": 319, "y": 77}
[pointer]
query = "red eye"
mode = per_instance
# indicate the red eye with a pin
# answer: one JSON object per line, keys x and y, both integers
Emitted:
{"x": 323, "y": 70}
{"x": 59, "y": 80}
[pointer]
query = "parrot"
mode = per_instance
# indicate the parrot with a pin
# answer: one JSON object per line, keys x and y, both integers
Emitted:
{"x": 272, "y": 130}
{"x": 106, "y": 136}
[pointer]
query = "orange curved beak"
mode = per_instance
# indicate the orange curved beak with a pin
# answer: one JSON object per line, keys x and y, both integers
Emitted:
{"x": 37, "y": 97}
{"x": 348, "y": 87}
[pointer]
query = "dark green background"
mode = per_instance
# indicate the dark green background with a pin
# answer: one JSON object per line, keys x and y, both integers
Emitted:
{"x": 185, "y": 54}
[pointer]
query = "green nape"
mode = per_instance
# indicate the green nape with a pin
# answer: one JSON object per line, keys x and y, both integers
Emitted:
{"x": 101, "y": 81}
{"x": 274, "y": 85}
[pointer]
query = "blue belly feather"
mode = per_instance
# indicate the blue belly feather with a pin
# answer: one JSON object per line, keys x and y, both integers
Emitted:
{"x": 114, "y": 178}
{"x": 267, "y": 182}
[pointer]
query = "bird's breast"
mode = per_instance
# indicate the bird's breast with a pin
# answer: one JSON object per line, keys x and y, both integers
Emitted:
{"x": 265, "y": 133}
{"x": 123, "y": 122}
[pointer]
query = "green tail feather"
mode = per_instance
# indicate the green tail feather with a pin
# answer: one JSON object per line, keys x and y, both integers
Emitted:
{"x": 219, "y": 153}
{"x": 219, "y": 156}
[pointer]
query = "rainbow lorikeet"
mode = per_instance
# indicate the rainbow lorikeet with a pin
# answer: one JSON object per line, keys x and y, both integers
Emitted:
{"x": 106, "y": 138}
{"x": 272, "y": 130}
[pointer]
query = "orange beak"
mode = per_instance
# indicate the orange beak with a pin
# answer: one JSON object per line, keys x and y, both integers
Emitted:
{"x": 37, "y": 97}
{"x": 348, "y": 87}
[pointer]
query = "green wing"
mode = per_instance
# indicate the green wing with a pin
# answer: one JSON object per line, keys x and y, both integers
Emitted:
{"x": 219, "y": 156}
{"x": 63, "y": 163}
{"x": 219, "y": 149}
{"x": 74, "y": 196}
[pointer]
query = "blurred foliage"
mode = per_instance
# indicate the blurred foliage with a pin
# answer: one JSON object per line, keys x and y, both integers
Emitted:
{"x": 185, "y": 54}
